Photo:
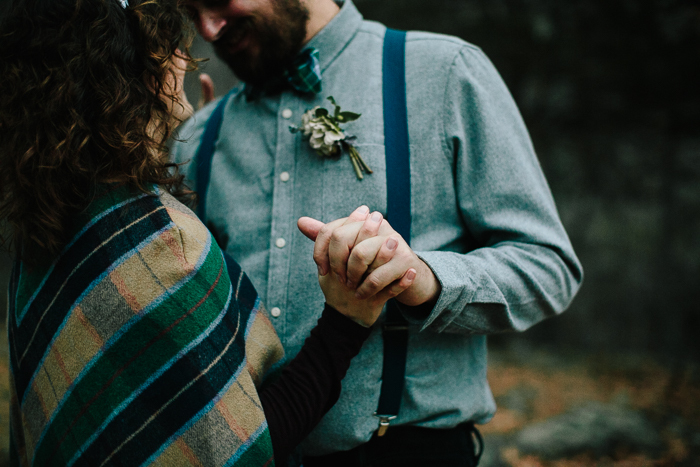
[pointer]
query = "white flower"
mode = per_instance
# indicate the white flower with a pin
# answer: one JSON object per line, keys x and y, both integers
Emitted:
{"x": 308, "y": 121}
{"x": 333, "y": 136}
{"x": 324, "y": 135}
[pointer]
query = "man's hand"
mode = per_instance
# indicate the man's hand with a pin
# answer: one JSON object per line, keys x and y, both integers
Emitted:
{"x": 363, "y": 309}
{"x": 179, "y": 107}
{"x": 368, "y": 255}
{"x": 207, "y": 85}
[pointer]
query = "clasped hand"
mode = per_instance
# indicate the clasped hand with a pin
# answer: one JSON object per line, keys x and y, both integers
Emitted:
{"x": 363, "y": 262}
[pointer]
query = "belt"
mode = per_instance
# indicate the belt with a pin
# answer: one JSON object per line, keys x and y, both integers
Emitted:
{"x": 411, "y": 446}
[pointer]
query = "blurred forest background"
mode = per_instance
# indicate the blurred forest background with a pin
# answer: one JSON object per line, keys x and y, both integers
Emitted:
{"x": 610, "y": 91}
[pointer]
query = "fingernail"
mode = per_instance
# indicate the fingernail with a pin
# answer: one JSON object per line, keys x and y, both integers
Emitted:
{"x": 376, "y": 217}
{"x": 363, "y": 209}
{"x": 392, "y": 244}
{"x": 321, "y": 272}
{"x": 411, "y": 274}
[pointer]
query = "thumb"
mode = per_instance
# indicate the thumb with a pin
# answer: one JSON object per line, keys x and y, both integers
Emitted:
{"x": 207, "y": 89}
{"x": 310, "y": 227}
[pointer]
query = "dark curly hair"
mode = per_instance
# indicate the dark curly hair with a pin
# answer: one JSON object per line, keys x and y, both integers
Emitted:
{"x": 83, "y": 91}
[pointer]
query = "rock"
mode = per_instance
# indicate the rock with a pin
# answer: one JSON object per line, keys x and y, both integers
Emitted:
{"x": 493, "y": 447}
{"x": 592, "y": 427}
{"x": 519, "y": 399}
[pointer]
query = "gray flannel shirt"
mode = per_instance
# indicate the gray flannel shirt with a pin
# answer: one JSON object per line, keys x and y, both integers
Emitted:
{"x": 483, "y": 216}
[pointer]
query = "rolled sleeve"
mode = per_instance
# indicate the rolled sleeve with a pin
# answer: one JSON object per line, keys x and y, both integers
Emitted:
{"x": 524, "y": 268}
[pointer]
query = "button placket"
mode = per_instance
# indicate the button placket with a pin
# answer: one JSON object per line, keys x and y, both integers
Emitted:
{"x": 282, "y": 213}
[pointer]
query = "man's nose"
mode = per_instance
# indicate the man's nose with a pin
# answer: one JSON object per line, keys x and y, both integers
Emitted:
{"x": 210, "y": 25}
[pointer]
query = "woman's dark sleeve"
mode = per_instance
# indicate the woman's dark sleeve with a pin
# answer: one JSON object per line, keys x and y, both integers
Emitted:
{"x": 310, "y": 385}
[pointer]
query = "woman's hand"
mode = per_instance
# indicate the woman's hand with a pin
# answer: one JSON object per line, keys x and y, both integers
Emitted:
{"x": 363, "y": 310}
{"x": 356, "y": 241}
{"x": 350, "y": 248}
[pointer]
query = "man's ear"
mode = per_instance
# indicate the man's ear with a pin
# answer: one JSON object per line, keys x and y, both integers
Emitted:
{"x": 310, "y": 227}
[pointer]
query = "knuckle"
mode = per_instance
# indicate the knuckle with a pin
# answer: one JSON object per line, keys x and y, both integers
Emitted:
{"x": 325, "y": 231}
{"x": 336, "y": 236}
{"x": 319, "y": 256}
{"x": 360, "y": 253}
{"x": 373, "y": 282}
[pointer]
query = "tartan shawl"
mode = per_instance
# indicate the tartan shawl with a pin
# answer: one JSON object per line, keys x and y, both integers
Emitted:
{"x": 140, "y": 344}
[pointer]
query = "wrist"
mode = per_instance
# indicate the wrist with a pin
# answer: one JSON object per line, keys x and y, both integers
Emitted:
{"x": 340, "y": 317}
{"x": 425, "y": 291}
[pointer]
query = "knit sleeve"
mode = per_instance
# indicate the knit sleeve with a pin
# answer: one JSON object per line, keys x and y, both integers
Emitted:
{"x": 310, "y": 385}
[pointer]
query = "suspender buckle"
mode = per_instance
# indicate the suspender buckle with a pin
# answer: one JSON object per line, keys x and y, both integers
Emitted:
{"x": 383, "y": 423}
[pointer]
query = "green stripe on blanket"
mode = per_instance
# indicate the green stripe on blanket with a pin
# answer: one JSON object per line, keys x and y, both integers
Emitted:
{"x": 151, "y": 359}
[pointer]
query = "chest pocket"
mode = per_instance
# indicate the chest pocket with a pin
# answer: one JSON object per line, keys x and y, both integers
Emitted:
{"x": 344, "y": 192}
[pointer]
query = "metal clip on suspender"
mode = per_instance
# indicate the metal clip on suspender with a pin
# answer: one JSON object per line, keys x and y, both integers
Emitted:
{"x": 396, "y": 148}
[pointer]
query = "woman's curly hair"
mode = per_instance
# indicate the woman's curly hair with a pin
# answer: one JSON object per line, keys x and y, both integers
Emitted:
{"x": 83, "y": 91}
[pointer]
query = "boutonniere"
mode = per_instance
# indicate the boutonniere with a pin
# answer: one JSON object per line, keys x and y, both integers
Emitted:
{"x": 327, "y": 138}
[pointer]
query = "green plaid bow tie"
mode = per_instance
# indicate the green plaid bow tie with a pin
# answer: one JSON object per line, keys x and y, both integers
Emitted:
{"x": 304, "y": 74}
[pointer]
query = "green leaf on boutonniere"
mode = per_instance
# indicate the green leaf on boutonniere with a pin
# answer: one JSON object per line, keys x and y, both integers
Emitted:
{"x": 346, "y": 117}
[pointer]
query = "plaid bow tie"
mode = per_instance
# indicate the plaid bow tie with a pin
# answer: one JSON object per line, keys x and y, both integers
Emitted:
{"x": 304, "y": 74}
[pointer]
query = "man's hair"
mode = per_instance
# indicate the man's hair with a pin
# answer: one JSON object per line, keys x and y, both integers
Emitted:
{"x": 80, "y": 83}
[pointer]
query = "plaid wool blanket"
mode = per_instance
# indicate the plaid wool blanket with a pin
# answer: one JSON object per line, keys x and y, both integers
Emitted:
{"x": 138, "y": 345}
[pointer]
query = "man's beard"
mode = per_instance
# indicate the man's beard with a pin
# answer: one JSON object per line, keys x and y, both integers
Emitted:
{"x": 277, "y": 40}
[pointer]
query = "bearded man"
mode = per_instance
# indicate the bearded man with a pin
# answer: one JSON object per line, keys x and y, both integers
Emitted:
{"x": 484, "y": 234}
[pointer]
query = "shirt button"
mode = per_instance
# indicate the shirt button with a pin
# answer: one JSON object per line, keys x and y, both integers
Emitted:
{"x": 280, "y": 242}
{"x": 287, "y": 113}
{"x": 275, "y": 312}
{"x": 284, "y": 176}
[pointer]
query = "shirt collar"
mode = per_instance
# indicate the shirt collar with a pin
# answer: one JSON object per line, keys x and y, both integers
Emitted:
{"x": 332, "y": 39}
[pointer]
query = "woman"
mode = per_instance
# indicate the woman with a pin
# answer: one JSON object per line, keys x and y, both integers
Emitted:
{"x": 133, "y": 341}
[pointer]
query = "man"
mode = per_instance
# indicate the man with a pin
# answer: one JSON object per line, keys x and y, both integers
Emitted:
{"x": 489, "y": 248}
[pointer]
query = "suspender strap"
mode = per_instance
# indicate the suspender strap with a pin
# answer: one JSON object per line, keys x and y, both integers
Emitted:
{"x": 205, "y": 154}
{"x": 398, "y": 170}
{"x": 396, "y": 133}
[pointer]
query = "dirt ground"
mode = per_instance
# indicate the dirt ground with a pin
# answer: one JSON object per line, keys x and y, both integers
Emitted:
{"x": 548, "y": 384}
{"x": 667, "y": 394}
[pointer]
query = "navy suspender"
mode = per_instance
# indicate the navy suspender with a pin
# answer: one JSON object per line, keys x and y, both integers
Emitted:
{"x": 398, "y": 170}
{"x": 205, "y": 154}
{"x": 398, "y": 179}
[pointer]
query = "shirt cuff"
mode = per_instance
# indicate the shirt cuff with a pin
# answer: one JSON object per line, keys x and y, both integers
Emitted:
{"x": 458, "y": 289}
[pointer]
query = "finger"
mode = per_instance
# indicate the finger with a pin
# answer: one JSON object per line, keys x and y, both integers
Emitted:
{"x": 372, "y": 252}
{"x": 370, "y": 227}
{"x": 382, "y": 277}
{"x": 207, "y": 85}
{"x": 339, "y": 257}
{"x": 386, "y": 229}
{"x": 323, "y": 239}
{"x": 309, "y": 227}
{"x": 397, "y": 287}
{"x": 385, "y": 253}
{"x": 358, "y": 215}
{"x": 342, "y": 242}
